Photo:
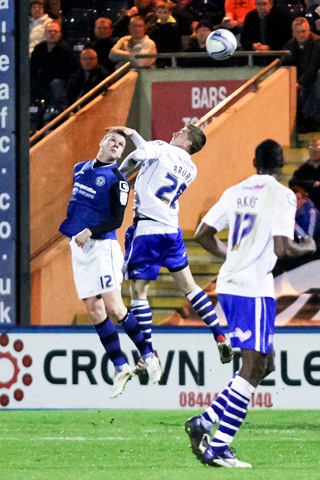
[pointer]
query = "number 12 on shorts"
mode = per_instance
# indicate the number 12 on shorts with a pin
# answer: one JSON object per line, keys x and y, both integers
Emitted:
{"x": 105, "y": 281}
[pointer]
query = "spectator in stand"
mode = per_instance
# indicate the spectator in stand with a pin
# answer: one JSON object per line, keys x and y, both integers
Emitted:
{"x": 138, "y": 42}
{"x": 88, "y": 76}
{"x": 305, "y": 55}
{"x": 51, "y": 66}
{"x": 104, "y": 42}
{"x": 265, "y": 28}
{"x": 165, "y": 33}
{"x": 307, "y": 175}
{"x": 38, "y": 21}
{"x": 197, "y": 43}
{"x": 144, "y": 8}
{"x": 307, "y": 217}
{"x": 235, "y": 14}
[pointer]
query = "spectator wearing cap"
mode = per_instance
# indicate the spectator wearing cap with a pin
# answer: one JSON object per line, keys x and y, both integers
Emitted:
{"x": 197, "y": 43}
{"x": 37, "y": 23}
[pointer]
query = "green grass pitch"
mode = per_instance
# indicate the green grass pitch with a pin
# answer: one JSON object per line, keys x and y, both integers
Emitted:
{"x": 151, "y": 445}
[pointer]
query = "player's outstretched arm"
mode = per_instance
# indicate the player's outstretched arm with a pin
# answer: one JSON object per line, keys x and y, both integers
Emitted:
{"x": 284, "y": 246}
{"x": 205, "y": 235}
{"x": 132, "y": 163}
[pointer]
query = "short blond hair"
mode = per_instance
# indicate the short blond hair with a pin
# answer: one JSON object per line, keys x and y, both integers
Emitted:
{"x": 164, "y": 4}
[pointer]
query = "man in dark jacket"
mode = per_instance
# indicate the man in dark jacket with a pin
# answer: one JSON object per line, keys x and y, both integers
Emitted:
{"x": 307, "y": 175}
{"x": 144, "y": 8}
{"x": 103, "y": 42}
{"x": 51, "y": 65}
{"x": 265, "y": 28}
{"x": 88, "y": 76}
{"x": 305, "y": 55}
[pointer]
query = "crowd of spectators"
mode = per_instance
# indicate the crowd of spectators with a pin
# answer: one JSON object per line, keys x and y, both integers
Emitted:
{"x": 163, "y": 26}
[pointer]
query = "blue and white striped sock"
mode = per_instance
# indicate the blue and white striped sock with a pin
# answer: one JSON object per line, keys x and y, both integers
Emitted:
{"x": 235, "y": 412}
{"x": 214, "y": 413}
{"x": 204, "y": 308}
{"x": 143, "y": 314}
{"x": 133, "y": 330}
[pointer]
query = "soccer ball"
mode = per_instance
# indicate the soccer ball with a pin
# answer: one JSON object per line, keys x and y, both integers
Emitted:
{"x": 221, "y": 44}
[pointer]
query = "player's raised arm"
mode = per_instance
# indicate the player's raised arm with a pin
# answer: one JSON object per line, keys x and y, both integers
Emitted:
{"x": 137, "y": 139}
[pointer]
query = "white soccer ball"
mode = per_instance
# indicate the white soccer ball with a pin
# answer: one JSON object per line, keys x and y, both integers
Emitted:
{"x": 221, "y": 44}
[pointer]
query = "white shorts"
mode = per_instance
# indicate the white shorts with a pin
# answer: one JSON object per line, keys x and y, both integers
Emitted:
{"x": 97, "y": 268}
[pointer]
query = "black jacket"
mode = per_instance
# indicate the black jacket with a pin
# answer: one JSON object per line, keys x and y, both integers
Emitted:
{"x": 46, "y": 66}
{"x": 307, "y": 60}
{"x": 78, "y": 85}
{"x": 278, "y": 29}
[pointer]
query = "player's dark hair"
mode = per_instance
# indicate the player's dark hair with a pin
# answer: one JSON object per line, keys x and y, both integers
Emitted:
{"x": 119, "y": 132}
{"x": 197, "y": 137}
{"x": 268, "y": 156}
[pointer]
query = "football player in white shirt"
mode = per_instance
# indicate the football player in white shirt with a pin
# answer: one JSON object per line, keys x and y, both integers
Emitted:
{"x": 259, "y": 213}
{"x": 155, "y": 240}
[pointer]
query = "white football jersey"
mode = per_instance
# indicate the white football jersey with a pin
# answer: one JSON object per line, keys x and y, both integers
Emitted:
{"x": 254, "y": 211}
{"x": 163, "y": 177}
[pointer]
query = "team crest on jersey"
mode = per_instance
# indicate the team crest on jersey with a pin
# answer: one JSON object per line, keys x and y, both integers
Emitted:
{"x": 100, "y": 181}
{"x": 124, "y": 187}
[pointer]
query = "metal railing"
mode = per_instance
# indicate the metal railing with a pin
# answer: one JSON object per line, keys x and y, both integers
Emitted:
{"x": 252, "y": 83}
{"x": 102, "y": 87}
{"x": 239, "y": 53}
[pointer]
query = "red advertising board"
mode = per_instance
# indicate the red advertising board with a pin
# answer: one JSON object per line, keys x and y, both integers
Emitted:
{"x": 177, "y": 104}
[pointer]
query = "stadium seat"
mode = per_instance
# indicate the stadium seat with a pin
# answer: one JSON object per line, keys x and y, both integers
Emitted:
{"x": 111, "y": 8}
{"x": 77, "y": 45}
{"x": 79, "y": 23}
{"x": 293, "y": 8}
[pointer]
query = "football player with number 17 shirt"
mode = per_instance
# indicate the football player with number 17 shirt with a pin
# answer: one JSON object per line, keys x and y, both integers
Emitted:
{"x": 259, "y": 213}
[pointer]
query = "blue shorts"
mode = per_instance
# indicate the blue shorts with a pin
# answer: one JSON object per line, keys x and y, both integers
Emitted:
{"x": 146, "y": 254}
{"x": 250, "y": 321}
